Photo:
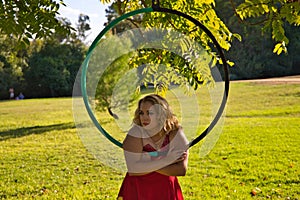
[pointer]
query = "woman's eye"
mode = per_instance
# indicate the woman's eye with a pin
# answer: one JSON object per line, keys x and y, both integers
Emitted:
{"x": 141, "y": 113}
{"x": 150, "y": 113}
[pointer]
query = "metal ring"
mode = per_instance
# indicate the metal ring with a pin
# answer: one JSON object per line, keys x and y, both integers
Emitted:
{"x": 154, "y": 8}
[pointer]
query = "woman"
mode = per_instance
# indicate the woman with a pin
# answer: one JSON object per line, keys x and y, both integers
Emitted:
{"x": 155, "y": 150}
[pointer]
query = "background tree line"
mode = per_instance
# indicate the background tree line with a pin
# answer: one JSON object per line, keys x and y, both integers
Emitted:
{"x": 41, "y": 53}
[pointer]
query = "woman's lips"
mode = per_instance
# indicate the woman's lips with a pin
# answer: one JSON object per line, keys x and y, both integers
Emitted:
{"x": 145, "y": 123}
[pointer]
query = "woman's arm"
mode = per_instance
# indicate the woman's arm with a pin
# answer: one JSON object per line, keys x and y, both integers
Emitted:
{"x": 139, "y": 162}
{"x": 178, "y": 168}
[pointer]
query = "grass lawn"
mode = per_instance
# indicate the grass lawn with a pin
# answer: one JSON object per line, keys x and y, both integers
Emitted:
{"x": 256, "y": 157}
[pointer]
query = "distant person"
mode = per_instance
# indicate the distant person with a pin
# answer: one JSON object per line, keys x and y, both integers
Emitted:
{"x": 21, "y": 96}
{"x": 155, "y": 150}
{"x": 11, "y": 93}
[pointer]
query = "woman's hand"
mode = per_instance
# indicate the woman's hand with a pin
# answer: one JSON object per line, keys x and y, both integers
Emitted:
{"x": 181, "y": 158}
{"x": 177, "y": 168}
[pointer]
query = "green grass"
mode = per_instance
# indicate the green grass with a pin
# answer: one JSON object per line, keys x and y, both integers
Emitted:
{"x": 42, "y": 157}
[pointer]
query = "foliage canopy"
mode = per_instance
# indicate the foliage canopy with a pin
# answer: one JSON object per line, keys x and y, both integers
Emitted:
{"x": 27, "y": 20}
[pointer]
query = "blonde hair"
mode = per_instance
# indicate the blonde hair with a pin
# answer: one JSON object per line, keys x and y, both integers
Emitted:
{"x": 167, "y": 119}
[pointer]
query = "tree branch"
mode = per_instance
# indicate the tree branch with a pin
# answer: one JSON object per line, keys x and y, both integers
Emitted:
{"x": 244, "y": 21}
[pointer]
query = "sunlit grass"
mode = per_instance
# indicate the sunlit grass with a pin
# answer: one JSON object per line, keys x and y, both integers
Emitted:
{"x": 256, "y": 157}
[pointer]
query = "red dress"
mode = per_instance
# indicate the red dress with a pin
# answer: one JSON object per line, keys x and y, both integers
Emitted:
{"x": 152, "y": 186}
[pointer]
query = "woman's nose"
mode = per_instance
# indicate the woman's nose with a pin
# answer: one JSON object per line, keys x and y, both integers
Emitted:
{"x": 145, "y": 117}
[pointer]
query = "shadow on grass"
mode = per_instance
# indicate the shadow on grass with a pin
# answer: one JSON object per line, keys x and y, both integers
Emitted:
{"x": 24, "y": 131}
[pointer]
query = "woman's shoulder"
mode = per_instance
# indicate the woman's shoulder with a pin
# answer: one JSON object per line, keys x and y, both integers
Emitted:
{"x": 179, "y": 139}
{"x": 135, "y": 131}
{"x": 176, "y": 131}
{"x": 133, "y": 141}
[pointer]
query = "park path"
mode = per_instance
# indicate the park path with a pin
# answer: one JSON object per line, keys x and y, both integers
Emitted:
{"x": 279, "y": 80}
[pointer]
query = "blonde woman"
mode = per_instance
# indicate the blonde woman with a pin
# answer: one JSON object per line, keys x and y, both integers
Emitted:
{"x": 155, "y": 150}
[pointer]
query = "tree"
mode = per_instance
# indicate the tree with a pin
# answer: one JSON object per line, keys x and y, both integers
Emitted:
{"x": 52, "y": 70}
{"x": 113, "y": 12}
{"x": 12, "y": 64}
{"x": 258, "y": 21}
{"x": 273, "y": 15}
{"x": 28, "y": 20}
{"x": 253, "y": 56}
{"x": 83, "y": 26}
{"x": 160, "y": 66}
{"x": 202, "y": 10}
{"x": 28, "y": 29}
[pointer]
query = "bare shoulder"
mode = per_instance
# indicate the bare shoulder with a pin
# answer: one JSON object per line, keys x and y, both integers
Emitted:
{"x": 135, "y": 131}
{"x": 133, "y": 141}
{"x": 179, "y": 136}
{"x": 176, "y": 132}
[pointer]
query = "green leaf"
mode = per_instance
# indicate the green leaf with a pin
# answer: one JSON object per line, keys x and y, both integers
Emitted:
{"x": 277, "y": 46}
{"x": 230, "y": 63}
{"x": 237, "y": 36}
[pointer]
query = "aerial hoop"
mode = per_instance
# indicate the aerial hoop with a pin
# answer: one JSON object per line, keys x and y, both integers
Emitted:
{"x": 155, "y": 8}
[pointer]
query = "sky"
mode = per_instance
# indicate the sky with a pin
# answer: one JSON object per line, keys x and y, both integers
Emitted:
{"x": 93, "y": 8}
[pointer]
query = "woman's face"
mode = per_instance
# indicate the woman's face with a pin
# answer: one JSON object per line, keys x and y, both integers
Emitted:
{"x": 149, "y": 116}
